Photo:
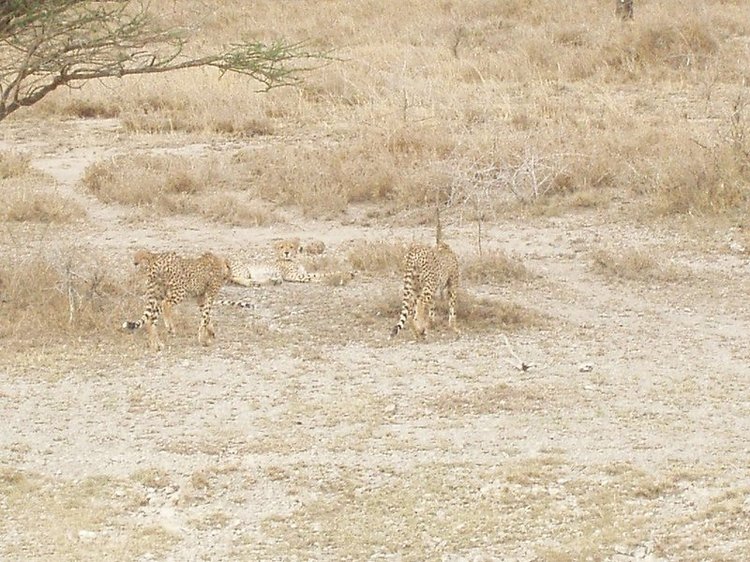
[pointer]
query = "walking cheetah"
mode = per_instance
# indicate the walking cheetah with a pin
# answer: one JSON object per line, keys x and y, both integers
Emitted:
{"x": 170, "y": 279}
{"x": 427, "y": 271}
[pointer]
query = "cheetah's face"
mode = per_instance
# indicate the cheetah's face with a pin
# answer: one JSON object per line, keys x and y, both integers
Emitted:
{"x": 288, "y": 249}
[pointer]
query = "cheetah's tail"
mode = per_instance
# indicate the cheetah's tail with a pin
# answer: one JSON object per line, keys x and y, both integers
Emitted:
{"x": 240, "y": 304}
{"x": 131, "y": 325}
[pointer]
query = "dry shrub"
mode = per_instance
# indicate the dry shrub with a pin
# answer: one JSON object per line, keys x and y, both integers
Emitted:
{"x": 237, "y": 210}
{"x": 90, "y": 107}
{"x": 483, "y": 314}
{"x": 51, "y": 298}
{"x": 702, "y": 181}
{"x": 473, "y": 314}
{"x": 494, "y": 266}
{"x": 178, "y": 185}
{"x": 26, "y": 205}
{"x": 375, "y": 167}
{"x": 633, "y": 264}
{"x": 148, "y": 180}
{"x": 14, "y": 164}
{"x": 378, "y": 256}
{"x": 715, "y": 179}
{"x": 663, "y": 42}
{"x": 321, "y": 179}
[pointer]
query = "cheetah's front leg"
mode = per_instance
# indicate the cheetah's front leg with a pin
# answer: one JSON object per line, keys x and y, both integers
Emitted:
{"x": 154, "y": 341}
{"x": 206, "y": 332}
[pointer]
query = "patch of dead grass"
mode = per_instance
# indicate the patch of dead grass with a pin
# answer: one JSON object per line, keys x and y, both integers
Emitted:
{"x": 23, "y": 204}
{"x": 14, "y": 164}
{"x": 473, "y": 313}
{"x": 491, "y": 399}
{"x": 53, "y": 297}
{"x": 494, "y": 266}
{"x": 446, "y": 510}
{"x": 72, "y": 519}
{"x": 635, "y": 264}
{"x": 204, "y": 186}
{"x": 378, "y": 257}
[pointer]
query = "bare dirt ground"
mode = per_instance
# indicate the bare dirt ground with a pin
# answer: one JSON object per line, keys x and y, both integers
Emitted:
{"x": 303, "y": 433}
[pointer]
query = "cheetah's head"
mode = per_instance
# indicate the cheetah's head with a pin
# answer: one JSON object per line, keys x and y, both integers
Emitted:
{"x": 143, "y": 257}
{"x": 288, "y": 249}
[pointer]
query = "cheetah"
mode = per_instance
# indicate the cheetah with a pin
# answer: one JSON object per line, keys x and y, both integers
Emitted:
{"x": 427, "y": 271}
{"x": 170, "y": 279}
{"x": 285, "y": 267}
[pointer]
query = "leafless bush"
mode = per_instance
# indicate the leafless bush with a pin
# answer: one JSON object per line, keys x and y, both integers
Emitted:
{"x": 56, "y": 296}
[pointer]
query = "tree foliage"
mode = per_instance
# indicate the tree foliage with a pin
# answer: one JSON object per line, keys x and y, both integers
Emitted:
{"x": 46, "y": 44}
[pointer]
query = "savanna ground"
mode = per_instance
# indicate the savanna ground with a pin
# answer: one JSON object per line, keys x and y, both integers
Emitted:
{"x": 594, "y": 180}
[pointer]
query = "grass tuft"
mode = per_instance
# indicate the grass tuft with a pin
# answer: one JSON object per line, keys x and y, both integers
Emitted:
{"x": 378, "y": 257}
{"x": 634, "y": 265}
{"x": 494, "y": 266}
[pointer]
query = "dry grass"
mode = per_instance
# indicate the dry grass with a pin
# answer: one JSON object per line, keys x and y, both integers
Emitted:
{"x": 635, "y": 265}
{"x": 14, "y": 164}
{"x": 23, "y": 198}
{"x": 473, "y": 314}
{"x": 489, "y": 400}
{"x": 204, "y": 186}
{"x": 54, "y": 297}
{"x": 378, "y": 257}
{"x": 493, "y": 315}
{"x": 494, "y": 266}
{"x": 23, "y": 204}
{"x": 549, "y": 112}
{"x": 72, "y": 520}
{"x": 545, "y": 505}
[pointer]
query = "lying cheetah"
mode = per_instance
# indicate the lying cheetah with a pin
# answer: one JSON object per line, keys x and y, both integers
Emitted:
{"x": 285, "y": 267}
{"x": 427, "y": 271}
{"x": 170, "y": 279}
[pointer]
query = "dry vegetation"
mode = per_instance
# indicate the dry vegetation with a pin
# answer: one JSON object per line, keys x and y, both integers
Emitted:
{"x": 304, "y": 434}
{"x": 635, "y": 264}
{"x": 74, "y": 293}
{"x": 25, "y": 201}
{"x": 491, "y": 105}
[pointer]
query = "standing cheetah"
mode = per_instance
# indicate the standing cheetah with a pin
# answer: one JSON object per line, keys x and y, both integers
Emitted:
{"x": 170, "y": 279}
{"x": 427, "y": 271}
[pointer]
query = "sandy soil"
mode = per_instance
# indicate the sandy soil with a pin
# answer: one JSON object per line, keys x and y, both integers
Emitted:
{"x": 303, "y": 433}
